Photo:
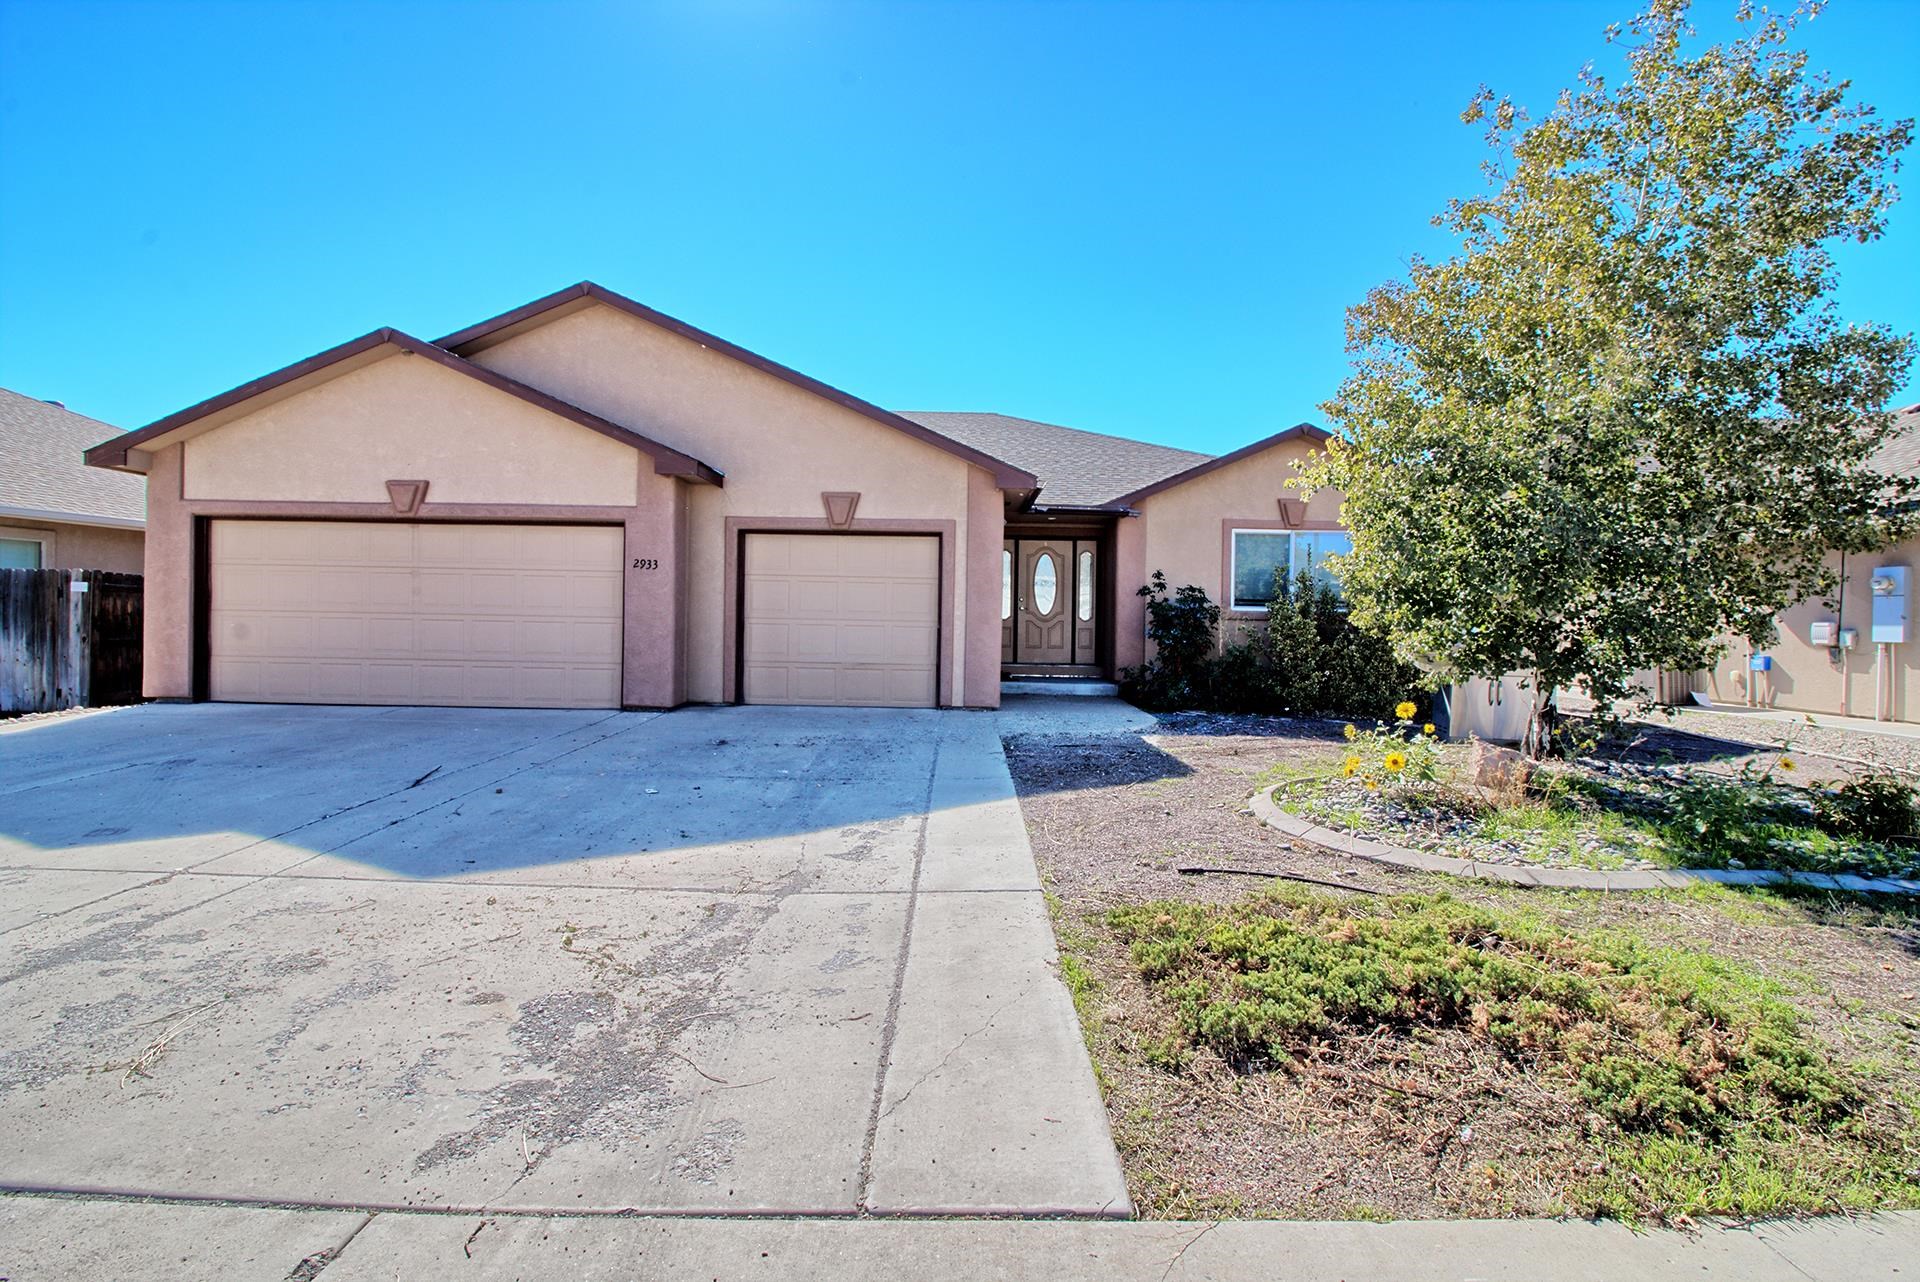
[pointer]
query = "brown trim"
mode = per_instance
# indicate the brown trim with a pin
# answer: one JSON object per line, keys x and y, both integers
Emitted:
{"x": 1299, "y": 431}
{"x": 733, "y": 585}
{"x": 1227, "y": 526}
{"x": 474, "y": 338}
{"x": 480, "y": 513}
{"x": 667, "y": 461}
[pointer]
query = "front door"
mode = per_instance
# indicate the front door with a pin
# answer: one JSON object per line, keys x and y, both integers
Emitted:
{"x": 1047, "y": 603}
{"x": 1045, "y": 589}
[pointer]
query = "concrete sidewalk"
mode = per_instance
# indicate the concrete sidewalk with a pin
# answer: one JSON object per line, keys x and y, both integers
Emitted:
{"x": 58, "y": 1239}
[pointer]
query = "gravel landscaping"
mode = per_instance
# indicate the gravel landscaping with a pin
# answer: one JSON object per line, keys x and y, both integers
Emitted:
{"x": 1390, "y": 1115}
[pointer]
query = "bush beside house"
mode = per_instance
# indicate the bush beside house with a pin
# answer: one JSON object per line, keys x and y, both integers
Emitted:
{"x": 1308, "y": 660}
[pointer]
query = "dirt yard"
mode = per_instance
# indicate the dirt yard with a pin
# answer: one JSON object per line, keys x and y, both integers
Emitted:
{"x": 1386, "y": 1122}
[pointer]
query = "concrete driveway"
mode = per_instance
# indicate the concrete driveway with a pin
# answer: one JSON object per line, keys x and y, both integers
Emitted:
{"x": 769, "y": 960}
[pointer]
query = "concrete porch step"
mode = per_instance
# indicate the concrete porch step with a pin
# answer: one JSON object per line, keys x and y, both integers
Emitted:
{"x": 1090, "y": 687}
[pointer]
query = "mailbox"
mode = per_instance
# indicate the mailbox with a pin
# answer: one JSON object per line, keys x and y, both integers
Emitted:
{"x": 1890, "y": 605}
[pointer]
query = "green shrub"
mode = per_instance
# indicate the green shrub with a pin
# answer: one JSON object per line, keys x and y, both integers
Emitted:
{"x": 1668, "y": 1046}
{"x": 1309, "y": 660}
{"x": 1877, "y": 805}
{"x": 1183, "y": 626}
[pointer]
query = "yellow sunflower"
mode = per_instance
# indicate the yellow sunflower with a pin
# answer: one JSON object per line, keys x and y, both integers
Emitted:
{"x": 1350, "y": 732}
{"x": 1405, "y": 710}
{"x": 1373, "y": 785}
{"x": 1788, "y": 763}
{"x": 1428, "y": 729}
{"x": 1350, "y": 767}
{"x": 1395, "y": 762}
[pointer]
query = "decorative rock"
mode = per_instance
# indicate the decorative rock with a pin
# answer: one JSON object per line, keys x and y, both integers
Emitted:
{"x": 1500, "y": 771}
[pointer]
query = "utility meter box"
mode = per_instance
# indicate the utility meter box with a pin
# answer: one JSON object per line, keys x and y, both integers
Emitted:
{"x": 1890, "y": 605}
{"x": 1821, "y": 632}
{"x": 1849, "y": 638}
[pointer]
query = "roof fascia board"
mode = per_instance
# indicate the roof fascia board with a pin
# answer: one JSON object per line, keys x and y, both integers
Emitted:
{"x": 130, "y": 450}
{"x": 1299, "y": 431}
{"x": 69, "y": 518}
{"x": 478, "y": 337}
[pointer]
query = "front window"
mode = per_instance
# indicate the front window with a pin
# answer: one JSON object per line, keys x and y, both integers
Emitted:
{"x": 1261, "y": 557}
{"x": 1258, "y": 558}
{"x": 20, "y": 554}
{"x": 1310, "y": 553}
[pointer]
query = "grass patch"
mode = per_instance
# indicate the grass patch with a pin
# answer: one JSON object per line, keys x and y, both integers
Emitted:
{"x": 1702, "y": 1090}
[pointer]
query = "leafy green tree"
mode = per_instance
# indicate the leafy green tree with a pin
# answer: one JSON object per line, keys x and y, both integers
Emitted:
{"x": 1625, "y": 419}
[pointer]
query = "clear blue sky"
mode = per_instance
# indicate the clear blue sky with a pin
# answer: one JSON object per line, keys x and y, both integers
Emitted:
{"x": 1137, "y": 218}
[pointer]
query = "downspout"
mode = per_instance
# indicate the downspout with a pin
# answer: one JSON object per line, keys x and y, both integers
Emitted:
{"x": 1839, "y": 635}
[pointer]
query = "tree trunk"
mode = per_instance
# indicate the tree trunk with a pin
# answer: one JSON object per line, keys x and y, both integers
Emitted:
{"x": 1542, "y": 720}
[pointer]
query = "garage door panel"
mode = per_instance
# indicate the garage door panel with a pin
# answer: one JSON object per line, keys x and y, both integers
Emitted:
{"x": 841, "y": 619}
{"x": 344, "y": 612}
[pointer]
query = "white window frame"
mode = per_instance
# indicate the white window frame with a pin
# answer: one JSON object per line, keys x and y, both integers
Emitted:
{"x": 1233, "y": 564}
{"x": 44, "y": 539}
{"x": 1233, "y": 559}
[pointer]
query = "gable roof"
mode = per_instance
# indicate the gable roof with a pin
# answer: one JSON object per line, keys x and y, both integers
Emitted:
{"x": 43, "y": 475}
{"x": 566, "y": 301}
{"x": 1073, "y": 468}
{"x": 1298, "y": 432}
{"x": 667, "y": 461}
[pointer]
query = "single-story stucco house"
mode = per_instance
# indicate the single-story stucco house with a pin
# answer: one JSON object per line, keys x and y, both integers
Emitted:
{"x": 584, "y": 502}
{"x": 55, "y": 512}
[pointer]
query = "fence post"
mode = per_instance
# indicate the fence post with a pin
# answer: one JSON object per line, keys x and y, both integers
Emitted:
{"x": 80, "y": 638}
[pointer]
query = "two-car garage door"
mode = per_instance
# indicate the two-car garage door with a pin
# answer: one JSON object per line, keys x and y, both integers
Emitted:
{"x": 384, "y": 612}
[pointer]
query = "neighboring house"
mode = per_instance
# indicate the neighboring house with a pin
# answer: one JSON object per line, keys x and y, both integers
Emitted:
{"x": 55, "y": 512}
{"x": 584, "y": 502}
{"x": 1808, "y": 670}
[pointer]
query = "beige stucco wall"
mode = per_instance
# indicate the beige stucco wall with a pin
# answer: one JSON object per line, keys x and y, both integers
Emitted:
{"x": 81, "y": 547}
{"x": 779, "y": 447}
{"x": 1180, "y": 532}
{"x": 1807, "y": 678}
{"x": 408, "y": 417}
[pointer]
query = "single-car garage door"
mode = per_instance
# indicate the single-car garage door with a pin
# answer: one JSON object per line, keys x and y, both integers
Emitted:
{"x": 375, "y": 612}
{"x": 842, "y": 619}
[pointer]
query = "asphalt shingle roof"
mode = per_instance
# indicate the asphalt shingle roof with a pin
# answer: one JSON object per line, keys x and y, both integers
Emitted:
{"x": 41, "y": 468}
{"x": 1899, "y": 455}
{"x": 1076, "y": 468}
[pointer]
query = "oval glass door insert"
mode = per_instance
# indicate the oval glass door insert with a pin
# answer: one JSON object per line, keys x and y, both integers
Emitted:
{"x": 1045, "y": 583}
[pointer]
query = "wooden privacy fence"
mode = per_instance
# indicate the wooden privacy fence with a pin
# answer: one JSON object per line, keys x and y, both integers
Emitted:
{"x": 68, "y": 638}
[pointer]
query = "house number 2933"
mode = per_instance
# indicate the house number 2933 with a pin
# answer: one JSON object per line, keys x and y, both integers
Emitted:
{"x": 645, "y": 563}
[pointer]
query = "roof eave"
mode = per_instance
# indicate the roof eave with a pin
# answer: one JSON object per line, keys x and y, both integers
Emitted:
{"x": 1299, "y": 431}
{"x": 115, "y": 453}
{"x": 55, "y": 515}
